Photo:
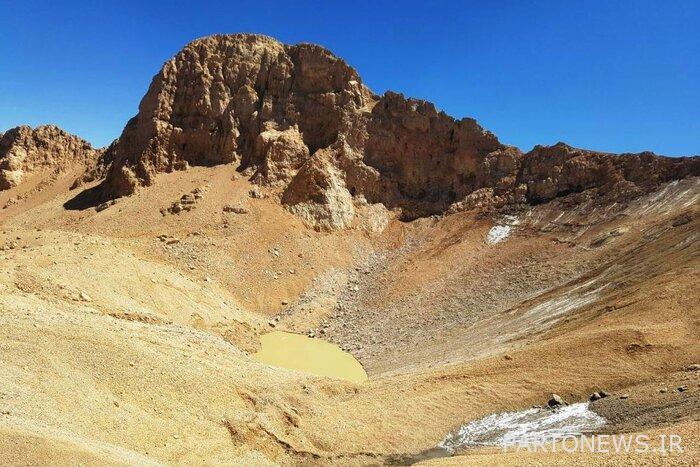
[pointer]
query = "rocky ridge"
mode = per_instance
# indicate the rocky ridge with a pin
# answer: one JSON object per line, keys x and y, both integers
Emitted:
{"x": 24, "y": 151}
{"x": 299, "y": 120}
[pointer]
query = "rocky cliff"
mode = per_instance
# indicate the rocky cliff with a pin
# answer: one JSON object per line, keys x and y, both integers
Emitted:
{"x": 24, "y": 151}
{"x": 227, "y": 98}
{"x": 297, "y": 118}
{"x": 560, "y": 170}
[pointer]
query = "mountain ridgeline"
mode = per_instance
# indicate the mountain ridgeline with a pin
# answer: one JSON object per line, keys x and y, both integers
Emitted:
{"x": 300, "y": 120}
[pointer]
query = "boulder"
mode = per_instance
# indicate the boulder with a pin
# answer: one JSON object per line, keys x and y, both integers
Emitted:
{"x": 236, "y": 209}
{"x": 555, "y": 400}
{"x": 280, "y": 155}
{"x": 318, "y": 195}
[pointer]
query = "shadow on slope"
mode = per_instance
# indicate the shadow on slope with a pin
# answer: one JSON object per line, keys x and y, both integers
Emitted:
{"x": 86, "y": 199}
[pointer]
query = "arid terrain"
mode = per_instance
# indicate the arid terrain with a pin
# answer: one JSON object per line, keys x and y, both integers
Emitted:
{"x": 263, "y": 186}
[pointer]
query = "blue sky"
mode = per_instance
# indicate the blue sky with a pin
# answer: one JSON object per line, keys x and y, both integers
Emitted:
{"x": 617, "y": 76}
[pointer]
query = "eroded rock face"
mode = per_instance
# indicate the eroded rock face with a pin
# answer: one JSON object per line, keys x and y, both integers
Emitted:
{"x": 560, "y": 170}
{"x": 272, "y": 106}
{"x": 427, "y": 159}
{"x": 281, "y": 154}
{"x": 24, "y": 150}
{"x": 318, "y": 194}
{"x": 222, "y": 98}
{"x": 299, "y": 119}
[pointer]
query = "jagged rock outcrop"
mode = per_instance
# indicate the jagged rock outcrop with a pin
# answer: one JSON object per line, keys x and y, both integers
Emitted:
{"x": 273, "y": 107}
{"x": 222, "y": 98}
{"x": 281, "y": 154}
{"x": 427, "y": 159}
{"x": 318, "y": 193}
{"x": 559, "y": 170}
{"x": 299, "y": 119}
{"x": 24, "y": 150}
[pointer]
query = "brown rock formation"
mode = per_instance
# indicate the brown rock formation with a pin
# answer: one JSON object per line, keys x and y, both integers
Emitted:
{"x": 281, "y": 153}
{"x": 300, "y": 119}
{"x": 24, "y": 150}
{"x": 318, "y": 193}
{"x": 428, "y": 160}
{"x": 559, "y": 170}
{"x": 222, "y": 98}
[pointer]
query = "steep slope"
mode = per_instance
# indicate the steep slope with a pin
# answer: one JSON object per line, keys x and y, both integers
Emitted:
{"x": 154, "y": 365}
{"x": 177, "y": 392}
{"x": 446, "y": 291}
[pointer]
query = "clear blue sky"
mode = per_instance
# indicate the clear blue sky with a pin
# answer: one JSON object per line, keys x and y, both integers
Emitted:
{"x": 609, "y": 75}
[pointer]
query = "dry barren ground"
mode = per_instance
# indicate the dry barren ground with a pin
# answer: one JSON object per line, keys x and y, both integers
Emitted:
{"x": 126, "y": 333}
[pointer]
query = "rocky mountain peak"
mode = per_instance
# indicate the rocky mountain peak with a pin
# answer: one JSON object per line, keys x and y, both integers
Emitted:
{"x": 210, "y": 102}
{"x": 298, "y": 118}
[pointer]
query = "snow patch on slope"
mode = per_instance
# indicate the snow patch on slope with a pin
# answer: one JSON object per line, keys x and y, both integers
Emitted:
{"x": 526, "y": 427}
{"x": 499, "y": 233}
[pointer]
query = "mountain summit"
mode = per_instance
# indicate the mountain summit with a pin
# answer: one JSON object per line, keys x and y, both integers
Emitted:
{"x": 299, "y": 118}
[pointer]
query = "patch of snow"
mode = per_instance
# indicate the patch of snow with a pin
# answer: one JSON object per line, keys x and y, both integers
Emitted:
{"x": 498, "y": 233}
{"x": 523, "y": 428}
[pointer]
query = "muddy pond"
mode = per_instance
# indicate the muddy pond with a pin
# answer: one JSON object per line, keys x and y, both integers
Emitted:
{"x": 313, "y": 356}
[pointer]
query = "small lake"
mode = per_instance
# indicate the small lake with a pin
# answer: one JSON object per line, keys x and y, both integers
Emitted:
{"x": 313, "y": 356}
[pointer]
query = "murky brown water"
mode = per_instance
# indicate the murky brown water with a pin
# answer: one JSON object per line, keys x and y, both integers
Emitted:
{"x": 314, "y": 356}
